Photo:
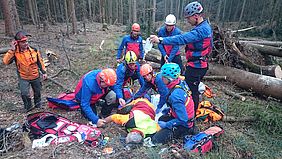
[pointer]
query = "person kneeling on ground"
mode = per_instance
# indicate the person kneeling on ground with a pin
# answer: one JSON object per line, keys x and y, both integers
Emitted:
{"x": 139, "y": 120}
{"x": 94, "y": 86}
{"x": 180, "y": 121}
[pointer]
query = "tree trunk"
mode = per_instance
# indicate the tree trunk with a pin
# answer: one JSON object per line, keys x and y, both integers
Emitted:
{"x": 7, "y": 13}
{"x": 48, "y": 11}
{"x": 269, "y": 50}
{"x": 134, "y": 11}
{"x": 31, "y": 11}
{"x": 67, "y": 17}
{"x": 261, "y": 84}
{"x": 110, "y": 11}
{"x": 72, "y": 15}
{"x": 90, "y": 10}
{"x": 171, "y": 7}
{"x": 218, "y": 11}
{"x": 15, "y": 15}
{"x": 242, "y": 12}
{"x": 129, "y": 12}
{"x": 261, "y": 42}
{"x": 154, "y": 7}
{"x": 121, "y": 12}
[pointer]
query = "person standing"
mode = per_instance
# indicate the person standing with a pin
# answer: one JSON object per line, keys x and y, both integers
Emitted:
{"x": 170, "y": 53}
{"x": 29, "y": 67}
{"x": 132, "y": 42}
{"x": 199, "y": 44}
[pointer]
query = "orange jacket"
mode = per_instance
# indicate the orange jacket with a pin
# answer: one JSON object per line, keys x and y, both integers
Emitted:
{"x": 28, "y": 62}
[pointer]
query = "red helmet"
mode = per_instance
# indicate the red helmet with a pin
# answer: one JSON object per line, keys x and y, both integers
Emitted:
{"x": 109, "y": 76}
{"x": 135, "y": 27}
{"x": 145, "y": 69}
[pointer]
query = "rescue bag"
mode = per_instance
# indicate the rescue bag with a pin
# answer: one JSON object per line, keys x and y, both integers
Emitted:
{"x": 203, "y": 141}
{"x": 64, "y": 101}
{"x": 44, "y": 123}
{"x": 208, "y": 112}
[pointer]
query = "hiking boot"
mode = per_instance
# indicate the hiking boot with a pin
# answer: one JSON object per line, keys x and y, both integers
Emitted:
{"x": 27, "y": 103}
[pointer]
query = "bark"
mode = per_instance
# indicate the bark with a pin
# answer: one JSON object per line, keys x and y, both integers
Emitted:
{"x": 264, "y": 85}
{"x": 269, "y": 50}
{"x": 261, "y": 42}
{"x": 214, "y": 78}
{"x": 7, "y": 13}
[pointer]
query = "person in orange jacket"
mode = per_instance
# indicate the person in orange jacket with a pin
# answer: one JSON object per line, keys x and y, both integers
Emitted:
{"x": 29, "y": 67}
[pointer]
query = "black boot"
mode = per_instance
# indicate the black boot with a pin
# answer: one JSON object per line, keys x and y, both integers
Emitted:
{"x": 37, "y": 102}
{"x": 27, "y": 103}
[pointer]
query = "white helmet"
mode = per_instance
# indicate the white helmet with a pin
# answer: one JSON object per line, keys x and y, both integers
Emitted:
{"x": 170, "y": 19}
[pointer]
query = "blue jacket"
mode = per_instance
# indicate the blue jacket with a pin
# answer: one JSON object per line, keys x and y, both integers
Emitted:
{"x": 169, "y": 50}
{"x": 130, "y": 44}
{"x": 125, "y": 75}
{"x": 88, "y": 91}
{"x": 198, "y": 43}
{"x": 158, "y": 85}
{"x": 182, "y": 106}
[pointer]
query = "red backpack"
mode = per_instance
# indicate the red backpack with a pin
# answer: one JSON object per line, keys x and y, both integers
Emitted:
{"x": 43, "y": 123}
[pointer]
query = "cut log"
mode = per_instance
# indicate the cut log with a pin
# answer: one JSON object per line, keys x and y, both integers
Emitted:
{"x": 154, "y": 65}
{"x": 237, "y": 119}
{"x": 214, "y": 78}
{"x": 153, "y": 58}
{"x": 262, "y": 42}
{"x": 236, "y": 95}
{"x": 269, "y": 50}
{"x": 260, "y": 84}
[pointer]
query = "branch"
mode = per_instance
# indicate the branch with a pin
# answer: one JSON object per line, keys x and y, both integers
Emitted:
{"x": 59, "y": 84}
{"x": 71, "y": 71}
{"x": 241, "y": 30}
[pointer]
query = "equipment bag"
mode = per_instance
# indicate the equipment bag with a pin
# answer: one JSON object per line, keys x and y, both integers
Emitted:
{"x": 64, "y": 101}
{"x": 44, "y": 123}
{"x": 203, "y": 141}
{"x": 208, "y": 112}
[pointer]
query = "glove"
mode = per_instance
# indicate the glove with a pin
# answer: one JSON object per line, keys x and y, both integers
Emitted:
{"x": 162, "y": 124}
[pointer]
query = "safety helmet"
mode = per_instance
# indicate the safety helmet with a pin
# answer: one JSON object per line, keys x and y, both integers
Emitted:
{"x": 170, "y": 19}
{"x": 193, "y": 8}
{"x": 134, "y": 138}
{"x": 109, "y": 76}
{"x": 130, "y": 57}
{"x": 21, "y": 36}
{"x": 145, "y": 69}
{"x": 135, "y": 27}
{"x": 170, "y": 70}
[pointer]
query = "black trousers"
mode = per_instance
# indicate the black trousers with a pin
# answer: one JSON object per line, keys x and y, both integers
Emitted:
{"x": 165, "y": 135}
{"x": 193, "y": 77}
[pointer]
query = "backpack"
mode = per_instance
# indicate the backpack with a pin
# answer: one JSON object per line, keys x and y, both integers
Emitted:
{"x": 41, "y": 124}
{"x": 203, "y": 141}
{"x": 208, "y": 112}
{"x": 64, "y": 101}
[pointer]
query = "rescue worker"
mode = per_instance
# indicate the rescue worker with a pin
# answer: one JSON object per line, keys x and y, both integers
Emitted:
{"x": 152, "y": 81}
{"x": 132, "y": 42}
{"x": 180, "y": 121}
{"x": 170, "y": 53}
{"x": 94, "y": 86}
{"x": 139, "y": 121}
{"x": 199, "y": 45}
{"x": 127, "y": 73}
{"x": 29, "y": 68}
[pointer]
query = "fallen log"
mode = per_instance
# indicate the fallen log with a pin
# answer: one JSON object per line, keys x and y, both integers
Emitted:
{"x": 233, "y": 94}
{"x": 214, "y": 78}
{"x": 269, "y": 50}
{"x": 262, "y": 42}
{"x": 238, "y": 119}
{"x": 260, "y": 84}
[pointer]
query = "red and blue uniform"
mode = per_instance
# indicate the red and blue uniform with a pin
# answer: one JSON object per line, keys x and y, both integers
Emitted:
{"x": 198, "y": 42}
{"x": 125, "y": 75}
{"x": 181, "y": 104}
{"x": 88, "y": 91}
{"x": 167, "y": 49}
{"x": 131, "y": 44}
{"x": 156, "y": 84}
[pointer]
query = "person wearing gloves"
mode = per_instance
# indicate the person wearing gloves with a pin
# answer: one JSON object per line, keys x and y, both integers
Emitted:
{"x": 180, "y": 120}
{"x": 127, "y": 73}
{"x": 170, "y": 53}
{"x": 29, "y": 68}
{"x": 91, "y": 87}
{"x": 199, "y": 44}
{"x": 139, "y": 120}
{"x": 132, "y": 42}
{"x": 152, "y": 81}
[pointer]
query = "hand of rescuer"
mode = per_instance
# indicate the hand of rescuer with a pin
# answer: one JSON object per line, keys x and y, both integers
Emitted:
{"x": 101, "y": 122}
{"x": 154, "y": 39}
{"x": 121, "y": 102}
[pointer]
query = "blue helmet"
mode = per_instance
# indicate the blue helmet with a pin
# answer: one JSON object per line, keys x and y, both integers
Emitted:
{"x": 193, "y": 8}
{"x": 170, "y": 70}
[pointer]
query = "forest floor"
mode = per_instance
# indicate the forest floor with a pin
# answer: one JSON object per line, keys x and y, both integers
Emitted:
{"x": 261, "y": 138}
